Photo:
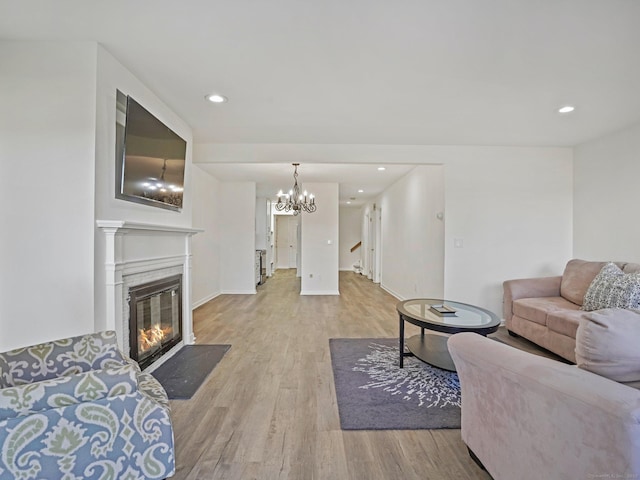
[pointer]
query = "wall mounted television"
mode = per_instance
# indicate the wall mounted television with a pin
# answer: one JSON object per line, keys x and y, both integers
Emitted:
{"x": 150, "y": 157}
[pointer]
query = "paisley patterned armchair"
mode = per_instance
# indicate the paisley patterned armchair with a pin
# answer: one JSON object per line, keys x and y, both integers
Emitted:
{"x": 78, "y": 409}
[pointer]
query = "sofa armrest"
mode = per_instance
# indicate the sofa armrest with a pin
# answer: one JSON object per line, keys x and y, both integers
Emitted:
{"x": 68, "y": 390}
{"x": 528, "y": 288}
{"x": 530, "y": 417}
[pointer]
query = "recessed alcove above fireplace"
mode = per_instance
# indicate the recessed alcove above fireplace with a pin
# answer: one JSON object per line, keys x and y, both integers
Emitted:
{"x": 146, "y": 259}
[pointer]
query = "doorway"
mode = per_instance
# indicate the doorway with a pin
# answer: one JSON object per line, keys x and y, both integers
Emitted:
{"x": 286, "y": 241}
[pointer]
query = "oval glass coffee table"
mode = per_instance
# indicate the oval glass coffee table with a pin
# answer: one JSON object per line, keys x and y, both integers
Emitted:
{"x": 442, "y": 316}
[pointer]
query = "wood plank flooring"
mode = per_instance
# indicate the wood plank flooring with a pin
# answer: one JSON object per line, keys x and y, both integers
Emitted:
{"x": 268, "y": 410}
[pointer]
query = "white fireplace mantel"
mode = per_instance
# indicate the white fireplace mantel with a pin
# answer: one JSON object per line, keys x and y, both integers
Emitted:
{"x": 124, "y": 227}
{"x": 138, "y": 252}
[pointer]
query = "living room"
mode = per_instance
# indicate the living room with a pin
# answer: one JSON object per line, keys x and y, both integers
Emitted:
{"x": 550, "y": 188}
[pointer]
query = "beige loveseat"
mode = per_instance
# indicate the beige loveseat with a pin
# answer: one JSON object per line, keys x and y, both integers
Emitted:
{"x": 547, "y": 310}
{"x": 528, "y": 417}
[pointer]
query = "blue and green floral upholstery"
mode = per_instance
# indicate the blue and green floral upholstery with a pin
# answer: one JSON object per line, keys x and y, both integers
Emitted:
{"x": 77, "y": 409}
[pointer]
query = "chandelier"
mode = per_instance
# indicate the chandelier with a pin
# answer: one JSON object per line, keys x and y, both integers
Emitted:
{"x": 294, "y": 200}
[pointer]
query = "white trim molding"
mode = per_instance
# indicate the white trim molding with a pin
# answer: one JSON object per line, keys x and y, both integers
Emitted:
{"x": 136, "y": 253}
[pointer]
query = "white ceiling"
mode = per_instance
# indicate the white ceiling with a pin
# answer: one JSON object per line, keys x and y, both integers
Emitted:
{"x": 414, "y": 72}
{"x": 273, "y": 177}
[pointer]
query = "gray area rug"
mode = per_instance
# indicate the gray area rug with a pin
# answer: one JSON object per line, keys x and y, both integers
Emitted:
{"x": 374, "y": 393}
{"x": 182, "y": 374}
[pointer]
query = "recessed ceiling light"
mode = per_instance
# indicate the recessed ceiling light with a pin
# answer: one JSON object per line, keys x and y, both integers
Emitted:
{"x": 566, "y": 109}
{"x": 216, "y": 98}
{"x": 381, "y": 169}
{"x": 360, "y": 191}
{"x": 348, "y": 203}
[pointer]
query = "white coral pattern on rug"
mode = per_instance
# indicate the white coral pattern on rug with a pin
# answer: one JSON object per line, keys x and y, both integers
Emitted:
{"x": 417, "y": 381}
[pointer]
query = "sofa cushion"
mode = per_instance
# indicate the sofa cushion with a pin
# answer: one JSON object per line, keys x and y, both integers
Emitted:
{"x": 565, "y": 322}
{"x": 6, "y": 380}
{"x": 612, "y": 288}
{"x": 607, "y": 344}
{"x": 536, "y": 309}
{"x": 631, "y": 268}
{"x": 577, "y": 276}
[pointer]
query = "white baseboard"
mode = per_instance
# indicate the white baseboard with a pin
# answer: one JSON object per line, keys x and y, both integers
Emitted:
{"x": 320, "y": 292}
{"x": 204, "y": 300}
{"x": 239, "y": 292}
{"x": 388, "y": 290}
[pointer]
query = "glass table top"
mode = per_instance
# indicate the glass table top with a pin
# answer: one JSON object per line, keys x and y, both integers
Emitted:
{"x": 464, "y": 315}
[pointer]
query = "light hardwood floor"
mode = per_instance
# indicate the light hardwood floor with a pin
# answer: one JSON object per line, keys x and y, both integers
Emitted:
{"x": 268, "y": 410}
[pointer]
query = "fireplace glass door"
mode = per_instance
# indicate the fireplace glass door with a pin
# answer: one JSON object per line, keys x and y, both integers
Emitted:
{"x": 155, "y": 318}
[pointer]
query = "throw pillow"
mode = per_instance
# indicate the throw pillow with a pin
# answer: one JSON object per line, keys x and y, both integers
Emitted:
{"x": 612, "y": 288}
{"x": 607, "y": 344}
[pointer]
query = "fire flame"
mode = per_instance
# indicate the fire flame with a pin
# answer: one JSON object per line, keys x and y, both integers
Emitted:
{"x": 151, "y": 337}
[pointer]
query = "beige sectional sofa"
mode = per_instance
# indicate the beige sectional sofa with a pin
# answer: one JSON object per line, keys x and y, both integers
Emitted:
{"x": 547, "y": 310}
{"x": 527, "y": 417}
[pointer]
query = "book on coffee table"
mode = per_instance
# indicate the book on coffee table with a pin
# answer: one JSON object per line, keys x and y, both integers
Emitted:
{"x": 443, "y": 310}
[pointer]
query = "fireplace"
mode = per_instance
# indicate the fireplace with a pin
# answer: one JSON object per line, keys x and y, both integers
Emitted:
{"x": 155, "y": 318}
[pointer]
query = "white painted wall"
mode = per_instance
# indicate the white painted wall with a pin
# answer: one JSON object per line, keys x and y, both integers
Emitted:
{"x": 112, "y": 76}
{"x": 206, "y": 245}
{"x": 237, "y": 241}
{"x": 350, "y": 234}
{"x": 263, "y": 215}
{"x": 320, "y": 241}
{"x": 412, "y": 235}
{"x": 512, "y": 206}
{"x": 47, "y": 145}
{"x": 59, "y": 140}
{"x": 606, "y": 197}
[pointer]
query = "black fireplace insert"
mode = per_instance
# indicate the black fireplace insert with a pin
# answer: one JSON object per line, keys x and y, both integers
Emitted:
{"x": 155, "y": 318}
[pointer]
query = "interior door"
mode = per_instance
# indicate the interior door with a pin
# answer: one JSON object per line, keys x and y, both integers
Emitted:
{"x": 371, "y": 247}
{"x": 282, "y": 241}
{"x": 377, "y": 254}
{"x": 293, "y": 242}
{"x": 286, "y": 241}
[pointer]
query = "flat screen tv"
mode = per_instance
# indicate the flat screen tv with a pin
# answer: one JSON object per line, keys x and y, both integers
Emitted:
{"x": 151, "y": 162}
